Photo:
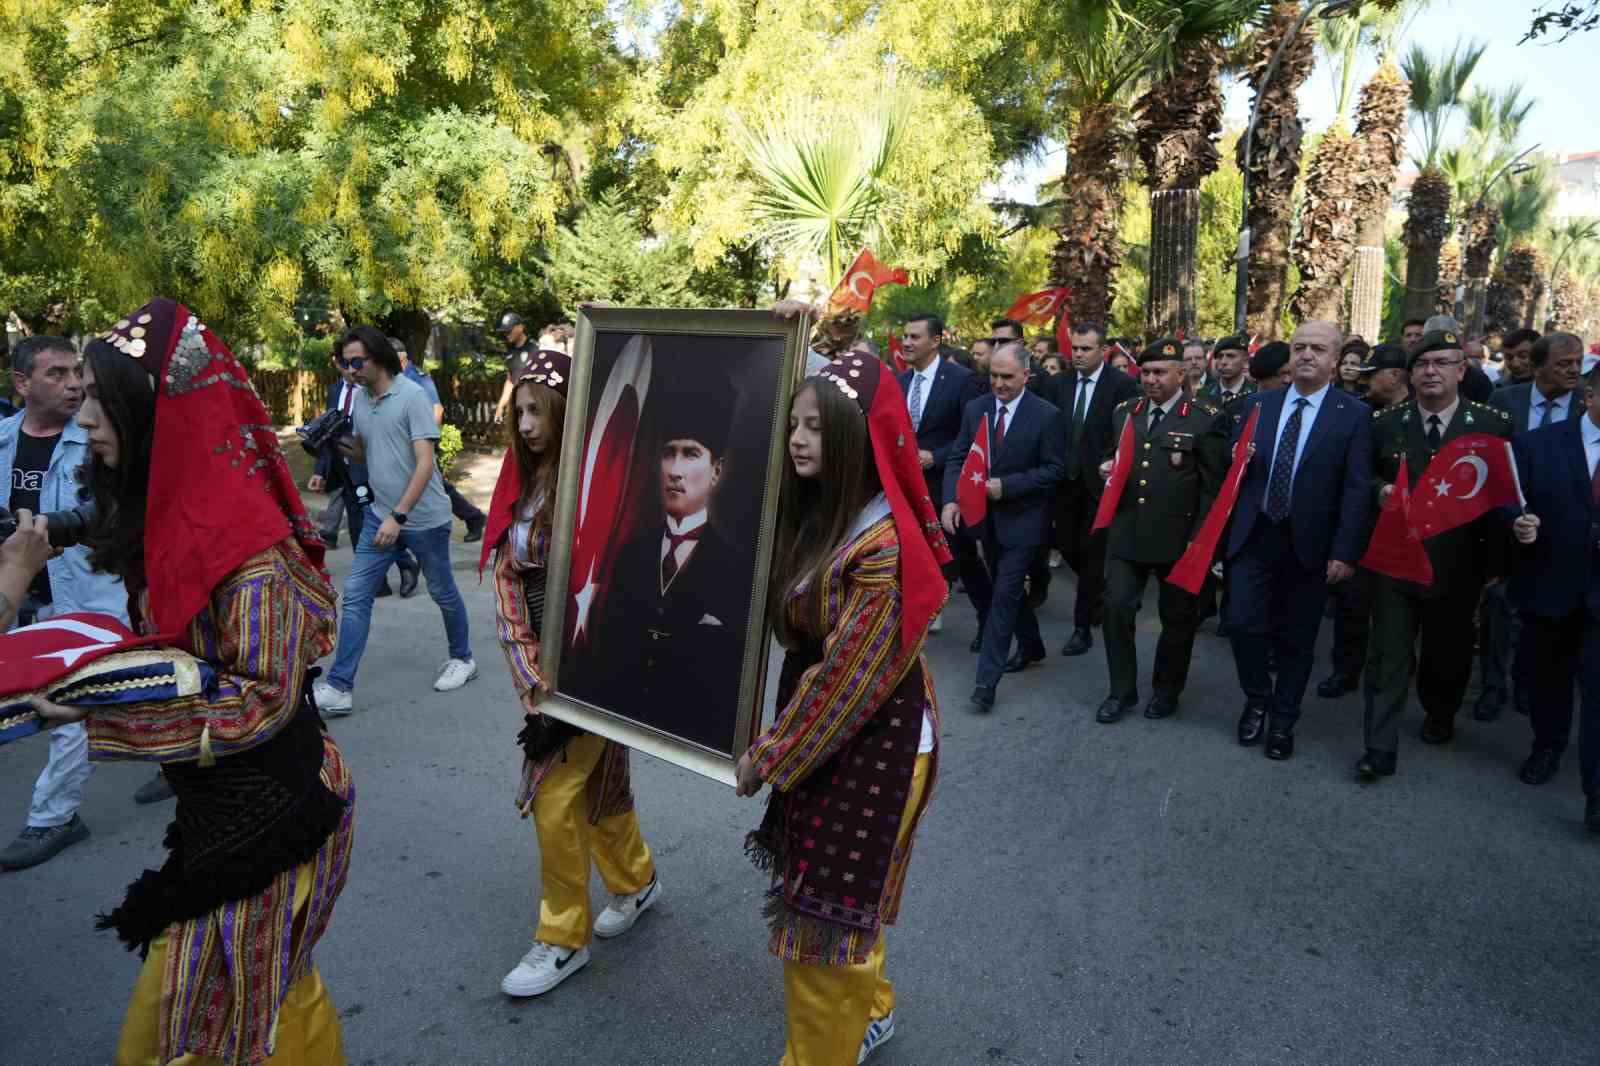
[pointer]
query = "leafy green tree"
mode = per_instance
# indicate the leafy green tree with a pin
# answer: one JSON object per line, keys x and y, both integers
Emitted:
{"x": 605, "y": 257}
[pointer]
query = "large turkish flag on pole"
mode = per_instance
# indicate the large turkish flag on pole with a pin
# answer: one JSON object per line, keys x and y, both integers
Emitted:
{"x": 866, "y": 275}
{"x": 1471, "y": 476}
{"x": 1037, "y": 308}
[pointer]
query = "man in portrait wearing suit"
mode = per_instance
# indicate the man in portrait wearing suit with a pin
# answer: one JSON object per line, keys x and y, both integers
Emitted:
{"x": 1551, "y": 395}
{"x": 937, "y": 392}
{"x": 1025, "y": 463}
{"x": 1300, "y": 525}
{"x": 1087, "y": 396}
{"x": 1555, "y": 584}
{"x": 669, "y": 647}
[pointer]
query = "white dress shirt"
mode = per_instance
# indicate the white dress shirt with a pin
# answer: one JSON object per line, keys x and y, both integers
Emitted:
{"x": 926, "y": 375}
{"x": 1308, "y": 418}
{"x": 678, "y": 528}
{"x": 1085, "y": 385}
{"x": 1536, "y": 402}
{"x": 1009, "y": 408}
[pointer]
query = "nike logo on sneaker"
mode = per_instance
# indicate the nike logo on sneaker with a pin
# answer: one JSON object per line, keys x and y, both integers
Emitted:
{"x": 561, "y": 963}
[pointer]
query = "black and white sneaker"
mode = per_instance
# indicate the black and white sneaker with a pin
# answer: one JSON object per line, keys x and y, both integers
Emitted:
{"x": 624, "y": 909}
{"x": 879, "y": 1033}
{"x": 542, "y": 968}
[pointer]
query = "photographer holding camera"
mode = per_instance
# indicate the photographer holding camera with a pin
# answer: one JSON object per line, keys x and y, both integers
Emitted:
{"x": 396, "y": 436}
{"x": 41, "y": 448}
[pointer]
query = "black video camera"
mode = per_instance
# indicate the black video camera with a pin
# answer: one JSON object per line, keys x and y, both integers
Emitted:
{"x": 64, "y": 528}
{"x": 321, "y": 436}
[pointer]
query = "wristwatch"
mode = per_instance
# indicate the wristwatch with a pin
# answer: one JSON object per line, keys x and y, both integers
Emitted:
{"x": 399, "y": 516}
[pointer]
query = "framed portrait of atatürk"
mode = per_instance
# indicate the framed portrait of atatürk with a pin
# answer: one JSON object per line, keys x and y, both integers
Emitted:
{"x": 675, "y": 438}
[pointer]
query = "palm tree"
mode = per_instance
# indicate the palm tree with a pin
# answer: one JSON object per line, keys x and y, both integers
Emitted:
{"x": 1380, "y": 126}
{"x": 1437, "y": 87}
{"x": 1572, "y": 236}
{"x": 1518, "y": 284}
{"x": 1274, "y": 160}
{"x": 1107, "y": 49}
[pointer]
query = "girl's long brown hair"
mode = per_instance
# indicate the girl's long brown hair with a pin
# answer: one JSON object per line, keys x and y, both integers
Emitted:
{"x": 815, "y": 514}
{"x": 539, "y": 471}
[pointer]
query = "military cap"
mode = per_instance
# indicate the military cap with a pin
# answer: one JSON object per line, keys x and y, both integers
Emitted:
{"x": 1237, "y": 342}
{"x": 1440, "y": 340}
{"x": 1164, "y": 350}
{"x": 1270, "y": 359}
{"x": 1385, "y": 357}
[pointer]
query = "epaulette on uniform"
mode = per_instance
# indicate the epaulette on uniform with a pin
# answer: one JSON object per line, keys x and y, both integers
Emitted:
{"x": 1392, "y": 409}
{"x": 1490, "y": 409}
{"x": 1207, "y": 406}
{"x": 1125, "y": 404}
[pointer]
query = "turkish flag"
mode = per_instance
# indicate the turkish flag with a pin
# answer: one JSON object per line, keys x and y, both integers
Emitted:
{"x": 898, "y": 354}
{"x": 36, "y": 658}
{"x": 1189, "y": 572}
{"x": 1471, "y": 476}
{"x": 1064, "y": 333}
{"x": 866, "y": 274}
{"x": 1037, "y": 308}
{"x": 1119, "y": 473}
{"x": 603, "y": 481}
{"x": 972, "y": 491}
{"x": 1395, "y": 548}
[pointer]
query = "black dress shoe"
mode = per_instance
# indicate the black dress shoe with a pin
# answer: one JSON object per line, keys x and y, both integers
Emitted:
{"x": 982, "y": 700}
{"x": 1079, "y": 643}
{"x": 1252, "y": 724}
{"x": 384, "y": 590}
{"x": 1280, "y": 742}
{"x": 1111, "y": 709}
{"x": 1437, "y": 731}
{"x": 1540, "y": 767}
{"x": 1161, "y": 706}
{"x": 977, "y": 643}
{"x": 1020, "y": 660}
{"x": 1488, "y": 707}
{"x": 408, "y": 581}
{"x": 1375, "y": 764}
{"x": 1335, "y": 685}
{"x": 475, "y": 529}
{"x": 1591, "y": 812}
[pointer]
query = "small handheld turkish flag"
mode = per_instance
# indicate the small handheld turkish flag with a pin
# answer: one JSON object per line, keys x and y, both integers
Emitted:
{"x": 1036, "y": 308}
{"x": 866, "y": 274}
{"x": 1395, "y": 548}
{"x": 1471, "y": 476}
{"x": 972, "y": 492}
{"x": 897, "y": 352}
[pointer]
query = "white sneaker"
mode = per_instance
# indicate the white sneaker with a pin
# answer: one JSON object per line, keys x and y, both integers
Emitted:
{"x": 937, "y": 623}
{"x": 330, "y": 701}
{"x": 624, "y": 909}
{"x": 878, "y": 1034}
{"x": 456, "y": 672}
{"x": 542, "y": 968}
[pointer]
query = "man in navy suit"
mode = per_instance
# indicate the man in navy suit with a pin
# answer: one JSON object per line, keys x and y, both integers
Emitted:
{"x": 1555, "y": 584}
{"x": 1026, "y": 456}
{"x": 937, "y": 392}
{"x": 1551, "y": 395}
{"x": 1300, "y": 525}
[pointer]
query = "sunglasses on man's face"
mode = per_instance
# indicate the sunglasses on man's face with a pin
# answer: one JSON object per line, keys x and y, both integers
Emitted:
{"x": 353, "y": 363}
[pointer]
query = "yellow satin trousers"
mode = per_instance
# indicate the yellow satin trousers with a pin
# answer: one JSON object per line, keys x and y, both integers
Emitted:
{"x": 308, "y": 1026}
{"x": 830, "y": 1007}
{"x": 568, "y": 843}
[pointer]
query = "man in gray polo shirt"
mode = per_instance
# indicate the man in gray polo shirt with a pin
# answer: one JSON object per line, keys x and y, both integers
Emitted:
{"x": 396, "y": 435}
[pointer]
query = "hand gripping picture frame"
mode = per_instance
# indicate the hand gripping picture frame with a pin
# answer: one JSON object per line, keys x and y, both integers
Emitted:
{"x": 672, "y": 453}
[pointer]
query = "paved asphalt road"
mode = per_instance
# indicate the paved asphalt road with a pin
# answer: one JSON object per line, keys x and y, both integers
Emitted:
{"x": 1140, "y": 893}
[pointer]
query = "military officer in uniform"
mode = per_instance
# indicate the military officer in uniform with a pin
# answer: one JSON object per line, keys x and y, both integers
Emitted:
{"x": 1229, "y": 381}
{"x": 1440, "y": 615}
{"x": 1179, "y": 448}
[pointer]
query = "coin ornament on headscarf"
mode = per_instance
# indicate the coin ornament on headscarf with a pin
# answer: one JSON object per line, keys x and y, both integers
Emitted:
{"x": 128, "y": 336}
{"x": 840, "y": 374}
{"x": 551, "y": 369}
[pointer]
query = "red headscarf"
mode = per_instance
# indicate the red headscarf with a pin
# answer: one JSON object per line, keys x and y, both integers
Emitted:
{"x": 549, "y": 368}
{"x": 220, "y": 489}
{"x": 894, "y": 448}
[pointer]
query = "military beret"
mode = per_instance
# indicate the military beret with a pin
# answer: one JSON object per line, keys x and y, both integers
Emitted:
{"x": 1237, "y": 342}
{"x": 1166, "y": 349}
{"x": 1270, "y": 359}
{"x": 1440, "y": 340}
{"x": 1385, "y": 357}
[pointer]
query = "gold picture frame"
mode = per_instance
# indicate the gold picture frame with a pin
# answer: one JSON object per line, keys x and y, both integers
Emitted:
{"x": 576, "y": 655}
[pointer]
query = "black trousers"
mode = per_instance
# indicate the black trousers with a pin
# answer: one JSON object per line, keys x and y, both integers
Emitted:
{"x": 974, "y": 575}
{"x": 1401, "y": 621}
{"x": 1352, "y": 624}
{"x": 1083, "y": 550}
{"x": 460, "y": 506}
{"x": 1559, "y": 652}
{"x": 1274, "y": 604}
{"x": 1009, "y": 613}
{"x": 1180, "y": 619}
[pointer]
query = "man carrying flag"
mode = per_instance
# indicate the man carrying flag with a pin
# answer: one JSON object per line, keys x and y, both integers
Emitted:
{"x": 1172, "y": 449}
{"x": 1456, "y": 455}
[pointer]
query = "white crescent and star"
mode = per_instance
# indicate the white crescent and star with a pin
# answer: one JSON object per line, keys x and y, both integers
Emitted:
{"x": 1479, "y": 467}
{"x": 858, "y": 276}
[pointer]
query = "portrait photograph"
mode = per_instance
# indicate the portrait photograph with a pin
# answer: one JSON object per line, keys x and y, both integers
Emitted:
{"x": 665, "y": 525}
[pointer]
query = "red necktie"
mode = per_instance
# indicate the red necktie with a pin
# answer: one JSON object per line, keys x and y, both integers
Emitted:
{"x": 669, "y": 564}
{"x": 349, "y": 395}
{"x": 999, "y": 431}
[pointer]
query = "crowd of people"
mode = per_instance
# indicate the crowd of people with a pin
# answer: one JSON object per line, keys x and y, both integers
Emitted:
{"x": 1112, "y": 470}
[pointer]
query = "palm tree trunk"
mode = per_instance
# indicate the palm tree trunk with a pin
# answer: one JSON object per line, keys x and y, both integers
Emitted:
{"x": 1426, "y": 227}
{"x": 1274, "y": 164}
{"x": 1380, "y": 132}
{"x": 1174, "y": 236}
{"x": 1088, "y": 247}
{"x": 1327, "y": 236}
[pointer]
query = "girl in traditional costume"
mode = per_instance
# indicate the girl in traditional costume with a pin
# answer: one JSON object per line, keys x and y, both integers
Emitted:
{"x": 575, "y": 784}
{"x": 852, "y": 753}
{"x": 198, "y": 514}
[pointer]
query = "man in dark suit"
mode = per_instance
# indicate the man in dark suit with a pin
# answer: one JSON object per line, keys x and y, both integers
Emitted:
{"x": 668, "y": 650}
{"x": 1301, "y": 523}
{"x": 937, "y": 392}
{"x": 1425, "y": 631}
{"x": 1087, "y": 396}
{"x": 1025, "y": 462}
{"x": 1556, "y": 585}
{"x": 1549, "y": 396}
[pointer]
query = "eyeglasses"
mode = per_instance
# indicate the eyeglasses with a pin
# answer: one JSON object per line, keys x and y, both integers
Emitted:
{"x": 1436, "y": 364}
{"x": 353, "y": 363}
